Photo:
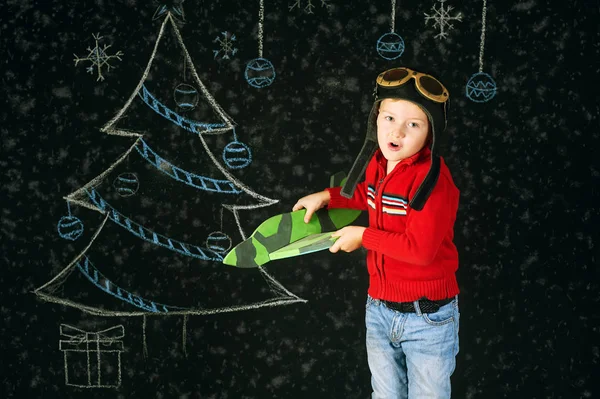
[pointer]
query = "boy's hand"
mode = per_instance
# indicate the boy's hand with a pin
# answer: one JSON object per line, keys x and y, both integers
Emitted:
{"x": 350, "y": 239}
{"x": 312, "y": 203}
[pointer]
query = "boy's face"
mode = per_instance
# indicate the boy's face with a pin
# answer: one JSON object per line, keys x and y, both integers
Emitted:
{"x": 402, "y": 129}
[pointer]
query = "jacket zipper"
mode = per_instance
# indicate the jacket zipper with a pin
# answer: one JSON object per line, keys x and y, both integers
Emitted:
{"x": 379, "y": 210}
{"x": 378, "y": 203}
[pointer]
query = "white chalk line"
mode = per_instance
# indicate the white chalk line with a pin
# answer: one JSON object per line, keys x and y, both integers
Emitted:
{"x": 482, "y": 43}
{"x": 393, "y": 16}
{"x": 109, "y": 128}
{"x": 261, "y": 19}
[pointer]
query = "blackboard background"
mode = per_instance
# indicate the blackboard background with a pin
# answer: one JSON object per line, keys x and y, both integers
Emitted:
{"x": 525, "y": 163}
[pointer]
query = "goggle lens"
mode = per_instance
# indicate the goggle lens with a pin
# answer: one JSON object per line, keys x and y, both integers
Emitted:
{"x": 395, "y": 74}
{"x": 431, "y": 85}
{"x": 426, "y": 84}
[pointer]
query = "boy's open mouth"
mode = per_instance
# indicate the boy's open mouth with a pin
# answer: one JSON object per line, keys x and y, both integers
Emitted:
{"x": 393, "y": 146}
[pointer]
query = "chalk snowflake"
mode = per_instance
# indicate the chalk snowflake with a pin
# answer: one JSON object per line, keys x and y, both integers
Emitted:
{"x": 98, "y": 57}
{"x": 308, "y": 8}
{"x": 226, "y": 43}
{"x": 441, "y": 18}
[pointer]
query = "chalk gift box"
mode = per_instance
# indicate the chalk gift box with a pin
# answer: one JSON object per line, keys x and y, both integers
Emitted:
{"x": 92, "y": 359}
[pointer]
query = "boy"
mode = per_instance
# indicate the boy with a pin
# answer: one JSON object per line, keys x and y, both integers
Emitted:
{"x": 412, "y": 303}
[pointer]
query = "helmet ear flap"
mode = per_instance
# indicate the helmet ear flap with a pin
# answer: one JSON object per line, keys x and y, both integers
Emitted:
{"x": 365, "y": 154}
{"x": 372, "y": 121}
{"x": 358, "y": 169}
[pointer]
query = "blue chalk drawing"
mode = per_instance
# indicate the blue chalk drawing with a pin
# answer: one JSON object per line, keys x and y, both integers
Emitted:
{"x": 390, "y": 46}
{"x": 237, "y": 155}
{"x": 98, "y": 57}
{"x": 167, "y": 113}
{"x": 442, "y": 19}
{"x": 174, "y": 10}
{"x": 226, "y": 46}
{"x": 201, "y": 182}
{"x": 146, "y": 234}
{"x": 126, "y": 184}
{"x": 481, "y": 87}
{"x": 259, "y": 73}
{"x": 99, "y": 280}
{"x": 186, "y": 97}
{"x": 70, "y": 228}
{"x": 218, "y": 242}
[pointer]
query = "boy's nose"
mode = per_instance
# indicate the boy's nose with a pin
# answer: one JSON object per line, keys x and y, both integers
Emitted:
{"x": 397, "y": 133}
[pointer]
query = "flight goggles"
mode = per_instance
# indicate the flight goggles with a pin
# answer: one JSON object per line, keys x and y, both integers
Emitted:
{"x": 427, "y": 85}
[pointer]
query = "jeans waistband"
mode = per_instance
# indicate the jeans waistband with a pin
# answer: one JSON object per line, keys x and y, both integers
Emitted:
{"x": 425, "y": 305}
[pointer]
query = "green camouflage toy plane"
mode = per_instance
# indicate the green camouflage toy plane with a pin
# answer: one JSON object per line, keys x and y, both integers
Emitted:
{"x": 307, "y": 245}
{"x": 286, "y": 235}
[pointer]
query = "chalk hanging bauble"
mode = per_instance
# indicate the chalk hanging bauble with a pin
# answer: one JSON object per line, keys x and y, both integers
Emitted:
{"x": 126, "y": 184}
{"x": 259, "y": 73}
{"x": 237, "y": 155}
{"x": 218, "y": 242}
{"x": 481, "y": 88}
{"x": 186, "y": 97}
{"x": 70, "y": 228}
{"x": 390, "y": 46}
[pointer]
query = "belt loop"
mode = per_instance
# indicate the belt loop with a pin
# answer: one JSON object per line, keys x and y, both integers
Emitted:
{"x": 417, "y": 308}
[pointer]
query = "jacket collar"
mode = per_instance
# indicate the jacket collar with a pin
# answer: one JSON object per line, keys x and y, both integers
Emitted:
{"x": 423, "y": 154}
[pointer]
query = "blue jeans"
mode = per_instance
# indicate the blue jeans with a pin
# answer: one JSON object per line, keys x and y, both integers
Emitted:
{"x": 411, "y": 355}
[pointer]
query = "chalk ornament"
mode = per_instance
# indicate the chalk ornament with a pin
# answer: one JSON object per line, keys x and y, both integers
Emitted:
{"x": 237, "y": 155}
{"x": 481, "y": 88}
{"x": 186, "y": 97}
{"x": 218, "y": 242}
{"x": 70, "y": 227}
{"x": 126, "y": 184}
{"x": 390, "y": 46}
{"x": 259, "y": 73}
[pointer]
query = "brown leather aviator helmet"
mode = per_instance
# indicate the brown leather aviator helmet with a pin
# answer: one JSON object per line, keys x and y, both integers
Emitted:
{"x": 426, "y": 92}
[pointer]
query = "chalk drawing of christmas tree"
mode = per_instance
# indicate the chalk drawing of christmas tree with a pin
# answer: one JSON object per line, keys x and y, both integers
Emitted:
{"x": 170, "y": 206}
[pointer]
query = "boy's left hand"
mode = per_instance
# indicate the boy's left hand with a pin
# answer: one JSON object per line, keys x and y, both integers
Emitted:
{"x": 350, "y": 239}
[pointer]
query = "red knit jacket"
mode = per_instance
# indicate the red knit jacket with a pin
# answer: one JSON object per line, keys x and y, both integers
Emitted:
{"x": 410, "y": 254}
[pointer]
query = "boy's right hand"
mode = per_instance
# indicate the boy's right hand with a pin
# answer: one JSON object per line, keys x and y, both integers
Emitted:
{"x": 312, "y": 203}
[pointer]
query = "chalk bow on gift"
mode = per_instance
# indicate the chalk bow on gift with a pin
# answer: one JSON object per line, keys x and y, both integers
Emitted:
{"x": 78, "y": 336}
